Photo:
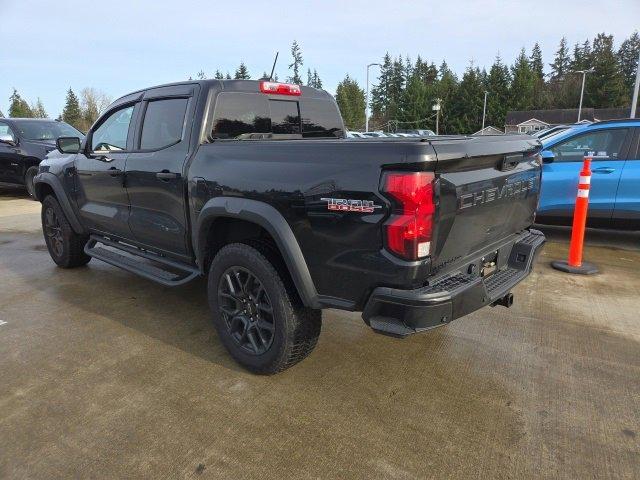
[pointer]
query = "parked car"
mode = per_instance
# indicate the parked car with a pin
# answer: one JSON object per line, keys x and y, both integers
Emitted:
{"x": 418, "y": 132}
{"x": 540, "y": 134}
{"x": 253, "y": 184}
{"x": 614, "y": 198}
{"x": 24, "y": 142}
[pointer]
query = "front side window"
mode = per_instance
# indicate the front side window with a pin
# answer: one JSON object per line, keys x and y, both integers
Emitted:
{"x": 163, "y": 123}
{"x": 113, "y": 132}
{"x": 602, "y": 143}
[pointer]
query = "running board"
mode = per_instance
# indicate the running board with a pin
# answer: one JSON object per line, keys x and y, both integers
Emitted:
{"x": 166, "y": 272}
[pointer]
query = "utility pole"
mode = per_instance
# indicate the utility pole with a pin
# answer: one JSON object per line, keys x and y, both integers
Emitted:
{"x": 634, "y": 102}
{"x": 366, "y": 106}
{"x": 484, "y": 110}
{"x": 584, "y": 76}
{"x": 436, "y": 107}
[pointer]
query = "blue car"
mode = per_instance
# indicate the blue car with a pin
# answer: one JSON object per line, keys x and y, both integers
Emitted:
{"x": 614, "y": 199}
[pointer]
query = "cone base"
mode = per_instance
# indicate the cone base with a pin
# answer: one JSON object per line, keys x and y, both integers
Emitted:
{"x": 585, "y": 269}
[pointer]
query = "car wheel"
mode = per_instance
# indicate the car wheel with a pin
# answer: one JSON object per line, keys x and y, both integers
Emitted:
{"x": 65, "y": 246}
{"x": 28, "y": 180}
{"x": 262, "y": 324}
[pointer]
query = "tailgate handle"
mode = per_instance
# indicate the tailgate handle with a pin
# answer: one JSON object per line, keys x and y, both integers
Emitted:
{"x": 509, "y": 162}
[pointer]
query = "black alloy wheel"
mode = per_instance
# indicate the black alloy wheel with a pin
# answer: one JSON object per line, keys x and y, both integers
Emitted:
{"x": 53, "y": 231}
{"x": 247, "y": 310}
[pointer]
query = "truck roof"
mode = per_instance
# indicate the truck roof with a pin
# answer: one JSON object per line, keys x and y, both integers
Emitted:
{"x": 252, "y": 86}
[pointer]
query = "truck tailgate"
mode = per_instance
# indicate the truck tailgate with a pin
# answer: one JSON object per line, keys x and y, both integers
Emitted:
{"x": 488, "y": 192}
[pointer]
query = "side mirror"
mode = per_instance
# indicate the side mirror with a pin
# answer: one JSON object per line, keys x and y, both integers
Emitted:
{"x": 8, "y": 139}
{"x": 68, "y": 144}
{"x": 547, "y": 156}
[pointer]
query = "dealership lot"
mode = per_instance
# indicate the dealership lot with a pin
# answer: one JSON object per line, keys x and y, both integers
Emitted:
{"x": 103, "y": 374}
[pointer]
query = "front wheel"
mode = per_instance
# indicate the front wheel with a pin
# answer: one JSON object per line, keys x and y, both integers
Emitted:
{"x": 262, "y": 324}
{"x": 28, "y": 181}
{"x": 65, "y": 246}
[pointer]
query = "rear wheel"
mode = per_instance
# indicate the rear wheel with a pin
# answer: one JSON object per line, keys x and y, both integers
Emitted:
{"x": 65, "y": 246}
{"x": 261, "y": 323}
{"x": 28, "y": 180}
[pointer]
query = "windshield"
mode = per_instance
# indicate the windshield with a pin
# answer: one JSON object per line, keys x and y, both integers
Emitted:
{"x": 34, "y": 130}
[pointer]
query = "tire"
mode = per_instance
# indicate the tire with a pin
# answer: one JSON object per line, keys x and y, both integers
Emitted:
{"x": 65, "y": 246}
{"x": 285, "y": 335}
{"x": 28, "y": 181}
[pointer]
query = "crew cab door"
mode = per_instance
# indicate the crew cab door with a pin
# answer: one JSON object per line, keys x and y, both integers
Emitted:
{"x": 560, "y": 176}
{"x": 627, "y": 208}
{"x": 155, "y": 169}
{"x": 10, "y": 170}
{"x": 102, "y": 200}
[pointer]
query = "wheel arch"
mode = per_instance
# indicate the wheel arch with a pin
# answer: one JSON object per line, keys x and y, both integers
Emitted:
{"x": 273, "y": 223}
{"x": 46, "y": 183}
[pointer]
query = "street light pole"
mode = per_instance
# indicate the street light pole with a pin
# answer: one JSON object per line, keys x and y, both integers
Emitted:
{"x": 366, "y": 106}
{"x": 584, "y": 76}
{"x": 436, "y": 107}
{"x": 634, "y": 102}
{"x": 484, "y": 110}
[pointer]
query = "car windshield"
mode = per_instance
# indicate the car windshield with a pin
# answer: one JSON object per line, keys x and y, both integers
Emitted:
{"x": 35, "y": 130}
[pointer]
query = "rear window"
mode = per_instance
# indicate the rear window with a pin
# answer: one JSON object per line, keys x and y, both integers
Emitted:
{"x": 248, "y": 115}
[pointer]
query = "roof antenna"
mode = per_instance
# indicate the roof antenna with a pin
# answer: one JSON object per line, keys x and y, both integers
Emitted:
{"x": 274, "y": 66}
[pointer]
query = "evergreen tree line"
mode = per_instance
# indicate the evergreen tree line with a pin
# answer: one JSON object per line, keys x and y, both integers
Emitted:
{"x": 296, "y": 65}
{"x": 80, "y": 112}
{"x": 407, "y": 91}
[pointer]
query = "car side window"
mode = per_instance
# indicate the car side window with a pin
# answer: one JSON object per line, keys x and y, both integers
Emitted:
{"x": 603, "y": 143}
{"x": 113, "y": 132}
{"x": 163, "y": 123}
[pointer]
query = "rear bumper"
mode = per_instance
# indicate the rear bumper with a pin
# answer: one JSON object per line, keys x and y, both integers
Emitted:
{"x": 403, "y": 312}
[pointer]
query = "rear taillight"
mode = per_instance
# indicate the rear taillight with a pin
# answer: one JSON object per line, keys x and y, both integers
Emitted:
{"x": 408, "y": 230}
{"x": 275, "y": 88}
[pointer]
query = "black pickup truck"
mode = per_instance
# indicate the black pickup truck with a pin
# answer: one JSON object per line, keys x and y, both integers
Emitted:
{"x": 253, "y": 184}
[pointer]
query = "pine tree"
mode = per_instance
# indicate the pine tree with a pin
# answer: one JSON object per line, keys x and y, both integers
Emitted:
{"x": 415, "y": 104}
{"x": 296, "y": 64}
{"x": 380, "y": 92}
{"x": 468, "y": 102}
{"x": 628, "y": 59}
{"x": 242, "y": 73}
{"x": 219, "y": 75}
{"x": 227, "y": 76}
{"x": 351, "y": 101}
{"x": 72, "y": 114}
{"x": 537, "y": 66}
{"x": 581, "y": 56}
{"x": 38, "y": 110}
{"x": 446, "y": 91}
{"x": 523, "y": 83}
{"x": 313, "y": 79}
{"x": 605, "y": 86}
{"x": 18, "y": 107}
{"x": 498, "y": 84}
{"x": 201, "y": 75}
{"x": 561, "y": 62}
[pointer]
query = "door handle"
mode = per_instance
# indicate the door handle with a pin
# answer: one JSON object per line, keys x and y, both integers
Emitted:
{"x": 166, "y": 175}
{"x": 604, "y": 170}
{"x": 114, "y": 172}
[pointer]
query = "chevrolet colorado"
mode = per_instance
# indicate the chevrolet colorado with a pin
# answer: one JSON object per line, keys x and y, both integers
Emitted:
{"x": 253, "y": 184}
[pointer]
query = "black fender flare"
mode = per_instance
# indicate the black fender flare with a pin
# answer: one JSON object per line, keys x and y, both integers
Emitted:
{"x": 274, "y": 223}
{"x": 50, "y": 179}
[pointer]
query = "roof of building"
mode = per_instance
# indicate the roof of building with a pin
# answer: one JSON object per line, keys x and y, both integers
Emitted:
{"x": 489, "y": 130}
{"x": 565, "y": 116}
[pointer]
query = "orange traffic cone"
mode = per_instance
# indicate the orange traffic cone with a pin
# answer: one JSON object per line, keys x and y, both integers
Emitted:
{"x": 574, "y": 264}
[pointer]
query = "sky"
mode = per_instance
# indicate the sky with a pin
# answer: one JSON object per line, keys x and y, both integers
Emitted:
{"x": 118, "y": 46}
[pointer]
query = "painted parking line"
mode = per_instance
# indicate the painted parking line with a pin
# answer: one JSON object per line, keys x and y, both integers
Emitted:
{"x": 2, "y": 322}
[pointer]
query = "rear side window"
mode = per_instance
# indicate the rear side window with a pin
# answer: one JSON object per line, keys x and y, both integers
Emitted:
{"x": 320, "y": 118}
{"x": 248, "y": 115}
{"x": 163, "y": 123}
{"x": 238, "y": 115}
